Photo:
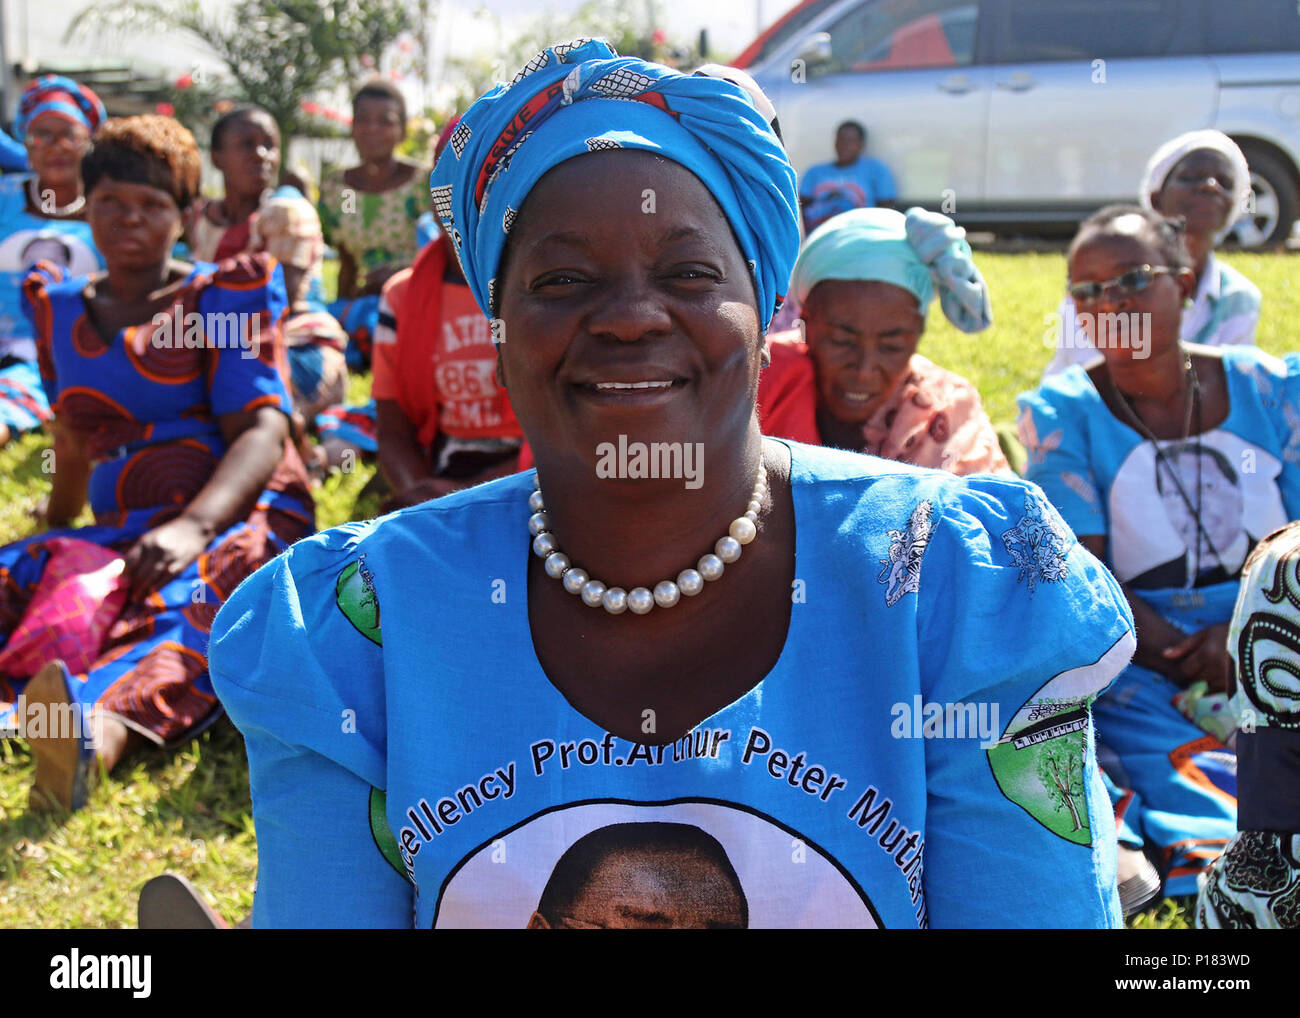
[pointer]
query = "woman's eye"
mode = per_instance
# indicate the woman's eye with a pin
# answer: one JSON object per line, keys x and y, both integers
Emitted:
{"x": 556, "y": 279}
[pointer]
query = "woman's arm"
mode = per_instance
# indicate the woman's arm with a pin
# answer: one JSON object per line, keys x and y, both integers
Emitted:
{"x": 254, "y": 445}
{"x": 400, "y": 456}
{"x": 70, "y": 479}
{"x": 306, "y": 689}
{"x": 347, "y": 274}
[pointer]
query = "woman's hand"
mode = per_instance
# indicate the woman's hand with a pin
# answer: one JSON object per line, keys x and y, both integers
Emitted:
{"x": 1203, "y": 655}
{"x": 164, "y": 552}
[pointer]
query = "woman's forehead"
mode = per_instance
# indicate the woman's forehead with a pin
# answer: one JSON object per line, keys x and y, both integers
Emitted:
{"x": 618, "y": 190}
{"x": 1124, "y": 239}
{"x": 1202, "y": 158}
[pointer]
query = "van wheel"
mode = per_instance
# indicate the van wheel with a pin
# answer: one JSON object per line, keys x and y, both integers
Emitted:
{"x": 1274, "y": 202}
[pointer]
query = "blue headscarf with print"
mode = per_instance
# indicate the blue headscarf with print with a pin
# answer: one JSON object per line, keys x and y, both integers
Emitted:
{"x": 573, "y": 99}
{"x": 63, "y": 97}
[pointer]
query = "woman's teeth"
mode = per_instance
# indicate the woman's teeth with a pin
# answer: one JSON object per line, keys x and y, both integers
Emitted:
{"x": 619, "y": 386}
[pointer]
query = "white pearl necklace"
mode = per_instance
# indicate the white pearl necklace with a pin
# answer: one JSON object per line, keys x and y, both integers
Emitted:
{"x": 69, "y": 209}
{"x": 666, "y": 593}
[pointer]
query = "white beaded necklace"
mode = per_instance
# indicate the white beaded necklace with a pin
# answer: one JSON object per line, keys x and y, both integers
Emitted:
{"x": 667, "y": 593}
{"x": 69, "y": 209}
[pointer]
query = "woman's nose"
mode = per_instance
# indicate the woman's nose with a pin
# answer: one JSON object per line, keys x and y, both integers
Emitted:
{"x": 634, "y": 309}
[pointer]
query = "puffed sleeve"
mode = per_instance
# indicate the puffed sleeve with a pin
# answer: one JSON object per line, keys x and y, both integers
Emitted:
{"x": 296, "y": 660}
{"x": 243, "y": 309}
{"x": 1286, "y": 418}
{"x": 1053, "y": 427}
{"x": 1019, "y": 629}
{"x": 39, "y": 311}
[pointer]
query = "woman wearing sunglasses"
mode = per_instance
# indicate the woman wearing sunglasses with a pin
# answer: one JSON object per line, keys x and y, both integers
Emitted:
{"x": 1203, "y": 178}
{"x": 496, "y": 674}
{"x": 1170, "y": 461}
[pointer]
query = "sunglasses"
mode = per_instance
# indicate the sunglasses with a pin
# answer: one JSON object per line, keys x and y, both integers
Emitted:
{"x": 1131, "y": 282}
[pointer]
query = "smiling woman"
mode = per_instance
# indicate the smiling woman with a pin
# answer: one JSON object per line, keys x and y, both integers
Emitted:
{"x": 429, "y": 694}
{"x": 864, "y": 281}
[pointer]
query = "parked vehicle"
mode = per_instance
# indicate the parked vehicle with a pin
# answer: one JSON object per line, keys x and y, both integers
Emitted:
{"x": 1031, "y": 114}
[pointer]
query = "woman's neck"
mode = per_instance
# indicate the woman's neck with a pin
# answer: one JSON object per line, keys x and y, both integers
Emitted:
{"x": 136, "y": 286}
{"x": 63, "y": 194}
{"x": 631, "y": 532}
{"x": 840, "y": 434}
{"x": 238, "y": 207}
{"x": 379, "y": 169}
{"x": 1199, "y": 247}
{"x": 1160, "y": 380}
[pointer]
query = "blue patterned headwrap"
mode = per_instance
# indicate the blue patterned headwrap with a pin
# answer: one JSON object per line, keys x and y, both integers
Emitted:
{"x": 53, "y": 93}
{"x": 573, "y": 99}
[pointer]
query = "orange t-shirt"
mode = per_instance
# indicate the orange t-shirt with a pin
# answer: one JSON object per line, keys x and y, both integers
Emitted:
{"x": 440, "y": 363}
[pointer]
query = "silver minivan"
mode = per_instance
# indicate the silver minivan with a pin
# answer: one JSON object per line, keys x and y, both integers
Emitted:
{"x": 1033, "y": 113}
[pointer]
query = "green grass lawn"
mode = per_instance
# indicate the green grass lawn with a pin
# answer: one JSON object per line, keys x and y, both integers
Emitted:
{"x": 189, "y": 810}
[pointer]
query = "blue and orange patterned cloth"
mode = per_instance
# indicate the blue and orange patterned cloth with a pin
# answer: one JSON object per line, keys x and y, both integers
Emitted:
{"x": 146, "y": 409}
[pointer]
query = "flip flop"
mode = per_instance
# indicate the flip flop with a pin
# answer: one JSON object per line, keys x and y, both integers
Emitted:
{"x": 170, "y": 902}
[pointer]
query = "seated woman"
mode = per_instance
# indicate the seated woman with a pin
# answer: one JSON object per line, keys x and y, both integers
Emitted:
{"x": 1255, "y": 884}
{"x": 41, "y": 218}
{"x": 369, "y": 211}
{"x": 444, "y": 423}
{"x": 251, "y": 217}
{"x": 864, "y": 281}
{"x": 1170, "y": 467}
{"x": 166, "y": 384}
{"x": 1203, "y": 178}
{"x": 702, "y": 682}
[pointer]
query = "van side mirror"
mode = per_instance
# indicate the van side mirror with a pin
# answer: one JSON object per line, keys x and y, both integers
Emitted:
{"x": 816, "y": 50}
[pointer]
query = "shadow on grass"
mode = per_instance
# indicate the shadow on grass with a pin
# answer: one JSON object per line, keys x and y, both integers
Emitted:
{"x": 207, "y": 800}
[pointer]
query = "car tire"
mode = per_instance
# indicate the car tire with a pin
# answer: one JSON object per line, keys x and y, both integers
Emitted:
{"x": 1277, "y": 202}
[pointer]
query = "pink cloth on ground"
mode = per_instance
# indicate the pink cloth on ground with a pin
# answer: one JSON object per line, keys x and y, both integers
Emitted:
{"x": 82, "y": 591}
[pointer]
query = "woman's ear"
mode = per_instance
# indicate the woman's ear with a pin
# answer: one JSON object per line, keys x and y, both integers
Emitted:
{"x": 1186, "y": 280}
{"x": 501, "y": 370}
{"x": 1156, "y": 203}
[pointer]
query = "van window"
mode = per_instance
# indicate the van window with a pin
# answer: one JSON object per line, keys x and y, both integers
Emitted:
{"x": 1253, "y": 26}
{"x": 897, "y": 34}
{"x": 1038, "y": 30}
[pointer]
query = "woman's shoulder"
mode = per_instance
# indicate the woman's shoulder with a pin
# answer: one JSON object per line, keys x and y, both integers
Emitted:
{"x": 13, "y": 198}
{"x": 243, "y": 274}
{"x": 443, "y": 528}
{"x": 877, "y": 484}
{"x": 49, "y": 282}
{"x": 1233, "y": 283}
{"x": 1071, "y": 390}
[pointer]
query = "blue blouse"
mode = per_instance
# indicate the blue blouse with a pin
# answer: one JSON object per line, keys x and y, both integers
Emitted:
{"x": 920, "y": 755}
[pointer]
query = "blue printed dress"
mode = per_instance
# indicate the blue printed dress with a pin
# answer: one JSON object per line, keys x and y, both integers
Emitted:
{"x": 147, "y": 415}
{"x": 1177, "y": 783}
{"x": 920, "y": 754}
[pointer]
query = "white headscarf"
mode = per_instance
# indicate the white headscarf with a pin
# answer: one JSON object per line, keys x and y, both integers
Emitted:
{"x": 1172, "y": 152}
